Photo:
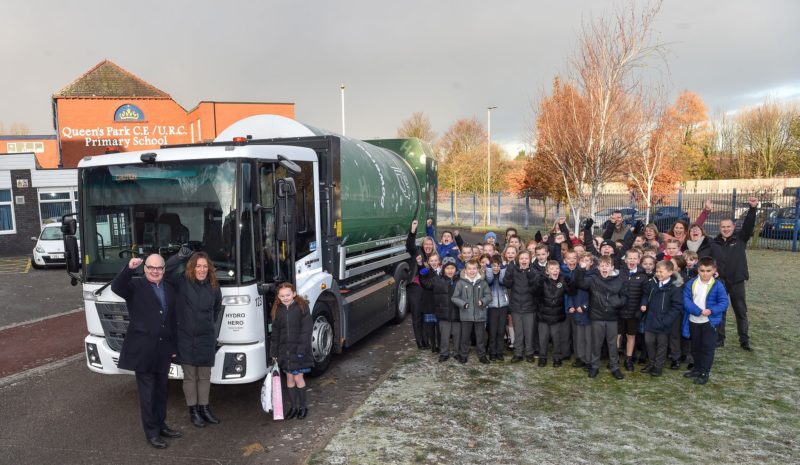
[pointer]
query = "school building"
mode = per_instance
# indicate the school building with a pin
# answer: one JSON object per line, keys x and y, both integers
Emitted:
{"x": 106, "y": 110}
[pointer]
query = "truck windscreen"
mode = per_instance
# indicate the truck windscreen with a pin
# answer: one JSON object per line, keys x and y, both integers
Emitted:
{"x": 136, "y": 210}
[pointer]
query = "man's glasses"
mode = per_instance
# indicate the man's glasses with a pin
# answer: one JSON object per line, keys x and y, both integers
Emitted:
{"x": 158, "y": 269}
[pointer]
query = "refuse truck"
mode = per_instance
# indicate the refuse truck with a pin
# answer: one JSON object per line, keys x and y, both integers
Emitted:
{"x": 270, "y": 200}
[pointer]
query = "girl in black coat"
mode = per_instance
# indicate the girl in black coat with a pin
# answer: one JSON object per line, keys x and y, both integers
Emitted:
{"x": 290, "y": 344}
{"x": 198, "y": 309}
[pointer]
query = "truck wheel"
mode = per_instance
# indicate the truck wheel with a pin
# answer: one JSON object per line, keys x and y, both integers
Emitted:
{"x": 321, "y": 338}
{"x": 400, "y": 295}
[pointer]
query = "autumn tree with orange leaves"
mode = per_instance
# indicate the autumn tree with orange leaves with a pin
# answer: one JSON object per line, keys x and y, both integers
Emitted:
{"x": 592, "y": 124}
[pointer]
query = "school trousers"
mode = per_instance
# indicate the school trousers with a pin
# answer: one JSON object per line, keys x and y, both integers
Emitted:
{"x": 448, "y": 329}
{"x": 583, "y": 343}
{"x": 704, "y": 344}
{"x": 497, "y": 329}
{"x": 548, "y": 331}
{"x": 524, "y": 329}
{"x": 604, "y": 332}
{"x": 656, "y": 344}
{"x": 467, "y": 329}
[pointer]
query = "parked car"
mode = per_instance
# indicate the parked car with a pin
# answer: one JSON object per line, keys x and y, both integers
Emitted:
{"x": 665, "y": 217}
{"x": 629, "y": 216}
{"x": 49, "y": 249}
{"x": 764, "y": 211}
{"x": 779, "y": 224}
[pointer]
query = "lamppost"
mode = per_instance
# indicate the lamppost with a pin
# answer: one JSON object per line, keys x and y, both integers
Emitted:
{"x": 489, "y": 164}
{"x": 341, "y": 88}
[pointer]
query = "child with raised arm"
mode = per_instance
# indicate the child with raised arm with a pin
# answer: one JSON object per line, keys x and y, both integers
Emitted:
{"x": 521, "y": 279}
{"x": 705, "y": 302}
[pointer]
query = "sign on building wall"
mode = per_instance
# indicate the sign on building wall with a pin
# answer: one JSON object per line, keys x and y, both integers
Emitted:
{"x": 130, "y": 131}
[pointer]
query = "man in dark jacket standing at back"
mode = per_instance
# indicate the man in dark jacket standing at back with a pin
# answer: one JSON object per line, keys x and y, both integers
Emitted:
{"x": 150, "y": 342}
{"x": 729, "y": 250}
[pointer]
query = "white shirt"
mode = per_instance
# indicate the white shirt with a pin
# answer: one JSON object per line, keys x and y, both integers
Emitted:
{"x": 699, "y": 293}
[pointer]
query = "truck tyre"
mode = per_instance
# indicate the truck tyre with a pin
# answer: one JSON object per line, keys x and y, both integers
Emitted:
{"x": 400, "y": 294}
{"x": 321, "y": 338}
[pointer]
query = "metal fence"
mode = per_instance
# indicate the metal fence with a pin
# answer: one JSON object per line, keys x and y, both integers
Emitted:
{"x": 777, "y": 222}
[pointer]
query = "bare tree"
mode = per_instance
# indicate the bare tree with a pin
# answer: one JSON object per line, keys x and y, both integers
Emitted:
{"x": 599, "y": 123}
{"x": 766, "y": 137}
{"x": 419, "y": 126}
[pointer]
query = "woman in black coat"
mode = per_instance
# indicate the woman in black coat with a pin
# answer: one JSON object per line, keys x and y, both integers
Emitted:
{"x": 198, "y": 309}
{"x": 290, "y": 344}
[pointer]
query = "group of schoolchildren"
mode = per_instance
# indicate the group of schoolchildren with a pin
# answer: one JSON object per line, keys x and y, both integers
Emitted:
{"x": 631, "y": 289}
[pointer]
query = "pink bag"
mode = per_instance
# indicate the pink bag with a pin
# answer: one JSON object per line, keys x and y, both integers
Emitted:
{"x": 277, "y": 398}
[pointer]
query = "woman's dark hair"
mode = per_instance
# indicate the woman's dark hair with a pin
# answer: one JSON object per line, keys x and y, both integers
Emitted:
{"x": 192, "y": 264}
{"x": 302, "y": 303}
{"x": 671, "y": 231}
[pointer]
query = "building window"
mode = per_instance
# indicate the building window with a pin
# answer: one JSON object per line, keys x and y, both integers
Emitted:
{"x": 25, "y": 147}
{"x": 56, "y": 202}
{"x": 6, "y": 212}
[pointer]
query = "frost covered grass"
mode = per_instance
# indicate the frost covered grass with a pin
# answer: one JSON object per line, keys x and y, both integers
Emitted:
{"x": 427, "y": 412}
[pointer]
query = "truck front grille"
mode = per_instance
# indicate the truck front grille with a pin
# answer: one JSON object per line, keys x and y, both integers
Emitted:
{"x": 114, "y": 318}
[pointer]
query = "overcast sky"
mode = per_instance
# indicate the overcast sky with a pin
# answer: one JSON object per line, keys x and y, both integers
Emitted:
{"x": 448, "y": 59}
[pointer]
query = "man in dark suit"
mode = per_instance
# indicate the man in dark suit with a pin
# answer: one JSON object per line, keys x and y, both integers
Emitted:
{"x": 150, "y": 341}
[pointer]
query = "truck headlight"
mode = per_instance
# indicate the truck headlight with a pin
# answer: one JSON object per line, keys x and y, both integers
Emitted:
{"x": 236, "y": 300}
{"x": 235, "y": 365}
{"x": 92, "y": 356}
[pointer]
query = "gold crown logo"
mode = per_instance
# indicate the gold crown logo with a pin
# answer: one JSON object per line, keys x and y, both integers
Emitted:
{"x": 129, "y": 114}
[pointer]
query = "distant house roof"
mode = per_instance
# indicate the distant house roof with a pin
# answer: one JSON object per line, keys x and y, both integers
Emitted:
{"x": 109, "y": 80}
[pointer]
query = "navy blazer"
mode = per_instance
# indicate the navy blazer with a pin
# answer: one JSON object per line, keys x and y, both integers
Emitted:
{"x": 150, "y": 341}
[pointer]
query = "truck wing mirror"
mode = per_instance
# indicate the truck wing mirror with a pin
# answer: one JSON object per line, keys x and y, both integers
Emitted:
{"x": 69, "y": 226}
{"x": 285, "y": 213}
{"x": 72, "y": 254}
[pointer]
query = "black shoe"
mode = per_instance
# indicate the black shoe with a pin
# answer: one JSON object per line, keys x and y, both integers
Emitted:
{"x": 462, "y": 360}
{"x": 499, "y": 357}
{"x": 689, "y": 366}
{"x": 675, "y": 365}
{"x": 195, "y": 418}
{"x": 720, "y": 342}
{"x": 157, "y": 442}
{"x": 516, "y": 359}
{"x": 642, "y": 360}
{"x": 301, "y": 413}
{"x": 617, "y": 374}
{"x": 656, "y": 372}
{"x": 419, "y": 346}
{"x": 629, "y": 363}
{"x": 290, "y": 414}
{"x": 542, "y": 362}
{"x": 701, "y": 379}
{"x": 557, "y": 363}
{"x": 484, "y": 360}
{"x": 425, "y": 345}
{"x": 578, "y": 363}
{"x": 530, "y": 359}
{"x": 647, "y": 369}
{"x": 443, "y": 358}
{"x": 168, "y": 432}
{"x": 691, "y": 374}
{"x": 593, "y": 372}
{"x": 744, "y": 346}
{"x": 435, "y": 349}
{"x": 209, "y": 417}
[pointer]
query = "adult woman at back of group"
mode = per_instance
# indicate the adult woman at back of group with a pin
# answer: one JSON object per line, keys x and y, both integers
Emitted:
{"x": 198, "y": 306}
{"x": 681, "y": 231}
{"x": 415, "y": 291}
